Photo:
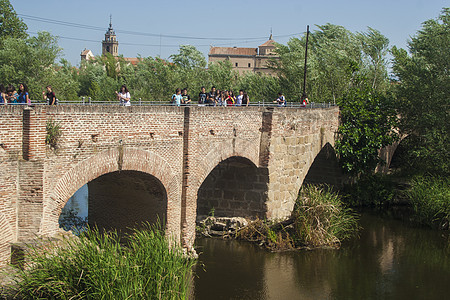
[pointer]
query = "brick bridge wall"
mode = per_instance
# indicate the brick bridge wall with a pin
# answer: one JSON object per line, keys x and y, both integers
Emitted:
{"x": 179, "y": 146}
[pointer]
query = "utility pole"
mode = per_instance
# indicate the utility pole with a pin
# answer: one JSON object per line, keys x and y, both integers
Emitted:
{"x": 306, "y": 59}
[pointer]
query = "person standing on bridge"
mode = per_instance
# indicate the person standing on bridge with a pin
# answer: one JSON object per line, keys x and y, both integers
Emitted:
{"x": 49, "y": 96}
{"x": 177, "y": 97}
{"x": 202, "y": 96}
{"x": 124, "y": 96}
{"x": 185, "y": 98}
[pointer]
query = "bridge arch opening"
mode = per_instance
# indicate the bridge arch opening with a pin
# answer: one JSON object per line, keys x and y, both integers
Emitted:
{"x": 325, "y": 169}
{"x": 234, "y": 188}
{"x": 120, "y": 201}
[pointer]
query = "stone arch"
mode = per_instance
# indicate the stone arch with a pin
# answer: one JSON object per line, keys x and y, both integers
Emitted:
{"x": 6, "y": 238}
{"x": 222, "y": 151}
{"x": 108, "y": 161}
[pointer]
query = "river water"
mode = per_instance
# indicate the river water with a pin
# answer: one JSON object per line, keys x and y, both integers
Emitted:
{"x": 391, "y": 259}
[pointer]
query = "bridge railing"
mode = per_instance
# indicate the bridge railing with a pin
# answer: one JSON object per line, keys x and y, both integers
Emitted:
{"x": 140, "y": 102}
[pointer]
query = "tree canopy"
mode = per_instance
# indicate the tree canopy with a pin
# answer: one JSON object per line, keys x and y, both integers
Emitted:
{"x": 423, "y": 85}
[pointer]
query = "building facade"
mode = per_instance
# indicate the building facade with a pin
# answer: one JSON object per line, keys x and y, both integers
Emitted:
{"x": 247, "y": 59}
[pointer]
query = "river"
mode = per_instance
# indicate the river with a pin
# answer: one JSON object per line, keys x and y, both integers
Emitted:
{"x": 391, "y": 259}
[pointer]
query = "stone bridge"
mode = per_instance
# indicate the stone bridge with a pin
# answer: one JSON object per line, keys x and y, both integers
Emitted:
{"x": 171, "y": 163}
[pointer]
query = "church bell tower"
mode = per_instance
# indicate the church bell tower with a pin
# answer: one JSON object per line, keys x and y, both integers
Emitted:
{"x": 110, "y": 44}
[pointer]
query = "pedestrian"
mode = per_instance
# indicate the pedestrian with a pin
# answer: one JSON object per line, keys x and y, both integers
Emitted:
{"x": 23, "y": 97}
{"x": 281, "y": 100}
{"x": 245, "y": 99}
{"x": 202, "y": 96}
{"x": 176, "y": 98}
{"x": 124, "y": 96}
{"x": 239, "y": 98}
{"x": 212, "y": 97}
{"x": 305, "y": 100}
{"x": 185, "y": 98}
{"x": 3, "y": 95}
{"x": 218, "y": 98}
{"x": 49, "y": 95}
{"x": 228, "y": 99}
{"x": 11, "y": 94}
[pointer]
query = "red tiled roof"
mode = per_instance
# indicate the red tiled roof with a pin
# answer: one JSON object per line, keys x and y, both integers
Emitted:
{"x": 269, "y": 43}
{"x": 233, "y": 51}
{"x": 132, "y": 60}
{"x": 85, "y": 52}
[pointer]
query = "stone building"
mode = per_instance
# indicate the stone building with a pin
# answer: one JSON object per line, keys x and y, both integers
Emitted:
{"x": 246, "y": 59}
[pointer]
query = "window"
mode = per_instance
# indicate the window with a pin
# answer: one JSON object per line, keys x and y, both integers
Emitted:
{"x": 249, "y": 65}
{"x": 236, "y": 64}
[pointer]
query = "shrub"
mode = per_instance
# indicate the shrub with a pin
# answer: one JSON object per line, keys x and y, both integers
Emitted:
{"x": 53, "y": 133}
{"x": 99, "y": 266}
{"x": 430, "y": 198}
{"x": 320, "y": 218}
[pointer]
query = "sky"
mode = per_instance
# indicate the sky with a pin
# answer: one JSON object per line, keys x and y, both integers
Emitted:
{"x": 157, "y": 28}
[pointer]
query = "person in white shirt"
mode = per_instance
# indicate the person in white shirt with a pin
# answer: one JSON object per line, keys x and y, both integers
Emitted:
{"x": 124, "y": 96}
{"x": 281, "y": 100}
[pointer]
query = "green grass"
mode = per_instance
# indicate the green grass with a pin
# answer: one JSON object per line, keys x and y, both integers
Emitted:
{"x": 99, "y": 266}
{"x": 430, "y": 198}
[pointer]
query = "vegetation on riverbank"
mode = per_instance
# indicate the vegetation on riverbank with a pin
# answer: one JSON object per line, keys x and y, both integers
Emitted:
{"x": 98, "y": 266}
{"x": 430, "y": 199}
{"x": 319, "y": 219}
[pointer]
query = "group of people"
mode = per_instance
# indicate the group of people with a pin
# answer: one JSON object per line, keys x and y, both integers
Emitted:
{"x": 212, "y": 98}
{"x": 11, "y": 96}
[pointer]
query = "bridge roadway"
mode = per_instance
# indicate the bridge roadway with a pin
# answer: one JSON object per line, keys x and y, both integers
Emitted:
{"x": 238, "y": 161}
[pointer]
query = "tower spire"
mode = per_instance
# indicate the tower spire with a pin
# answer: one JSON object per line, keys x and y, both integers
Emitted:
{"x": 110, "y": 21}
{"x": 270, "y": 37}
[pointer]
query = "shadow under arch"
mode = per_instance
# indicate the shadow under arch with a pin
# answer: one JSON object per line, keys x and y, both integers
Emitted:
{"x": 109, "y": 161}
{"x": 325, "y": 169}
{"x": 126, "y": 199}
{"x": 236, "y": 187}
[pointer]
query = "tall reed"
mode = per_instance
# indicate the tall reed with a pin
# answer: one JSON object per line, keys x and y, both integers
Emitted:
{"x": 99, "y": 266}
{"x": 430, "y": 198}
{"x": 321, "y": 219}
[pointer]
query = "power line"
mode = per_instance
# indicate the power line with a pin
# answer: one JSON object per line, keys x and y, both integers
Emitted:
{"x": 90, "y": 27}
{"x": 144, "y": 45}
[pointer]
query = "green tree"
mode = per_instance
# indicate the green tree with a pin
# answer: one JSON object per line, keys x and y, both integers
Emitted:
{"x": 375, "y": 48}
{"x": 30, "y": 61}
{"x": 423, "y": 91}
{"x": 189, "y": 57}
{"x": 368, "y": 122}
{"x": 10, "y": 24}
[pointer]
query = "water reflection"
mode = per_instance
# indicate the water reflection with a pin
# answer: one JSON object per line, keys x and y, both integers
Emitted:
{"x": 390, "y": 260}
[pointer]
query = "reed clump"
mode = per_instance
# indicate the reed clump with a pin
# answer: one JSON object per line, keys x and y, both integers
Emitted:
{"x": 100, "y": 265}
{"x": 430, "y": 198}
{"x": 320, "y": 219}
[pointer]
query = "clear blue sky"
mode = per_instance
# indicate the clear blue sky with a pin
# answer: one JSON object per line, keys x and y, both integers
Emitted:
{"x": 246, "y": 19}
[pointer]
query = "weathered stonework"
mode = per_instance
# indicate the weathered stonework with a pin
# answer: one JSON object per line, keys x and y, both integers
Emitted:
{"x": 178, "y": 146}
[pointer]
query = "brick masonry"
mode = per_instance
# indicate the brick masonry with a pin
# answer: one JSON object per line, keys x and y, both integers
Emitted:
{"x": 178, "y": 146}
